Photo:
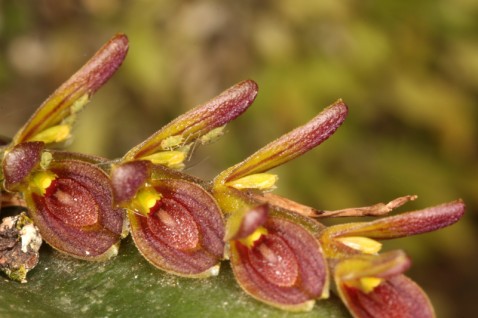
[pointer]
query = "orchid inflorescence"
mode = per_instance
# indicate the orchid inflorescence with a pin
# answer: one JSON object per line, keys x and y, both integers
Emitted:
{"x": 280, "y": 253}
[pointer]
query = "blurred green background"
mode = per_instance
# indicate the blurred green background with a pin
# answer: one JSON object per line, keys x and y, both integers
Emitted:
{"x": 407, "y": 69}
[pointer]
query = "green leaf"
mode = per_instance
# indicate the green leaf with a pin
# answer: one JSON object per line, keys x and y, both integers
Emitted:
{"x": 128, "y": 286}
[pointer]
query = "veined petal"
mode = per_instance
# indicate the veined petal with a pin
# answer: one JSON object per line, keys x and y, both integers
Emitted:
{"x": 183, "y": 234}
{"x": 405, "y": 224}
{"x": 198, "y": 122}
{"x": 289, "y": 146}
{"x": 75, "y": 214}
{"x": 59, "y": 155}
{"x": 70, "y": 97}
{"x": 396, "y": 297}
{"x": 373, "y": 286}
{"x": 284, "y": 268}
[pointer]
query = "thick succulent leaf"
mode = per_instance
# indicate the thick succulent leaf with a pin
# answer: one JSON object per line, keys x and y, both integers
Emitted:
{"x": 75, "y": 214}
{"x": 52, "y": 120}
{"x": 291, "y": 145}
{"x": 284, "y": 268}
{"x": 184, "y": 234}
{"x": 392, "y": 293}
{"x": 19, "y": 162}
{"x": 199, "y": 121}
{"x": 128, "y": 286}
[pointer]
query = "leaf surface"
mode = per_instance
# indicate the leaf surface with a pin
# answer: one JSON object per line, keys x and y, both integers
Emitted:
{"x": 128, "y": 286}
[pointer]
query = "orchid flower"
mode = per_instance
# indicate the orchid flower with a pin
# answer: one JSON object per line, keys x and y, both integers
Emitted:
{"x": 69, "y": 198}
{"x": 372, "y": 284}
{"x": 175, "y": 223}
{"x": 274, "y": 253}
{"x": 268, "y": 236}
{"x": 279, "y": 252}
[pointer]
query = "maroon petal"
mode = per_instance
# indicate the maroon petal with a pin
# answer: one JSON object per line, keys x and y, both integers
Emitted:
{"x": 19, "y": 162}
{"x": 69, "y": 98}
{"x": 76, "y": 214}
{"x": 396, "y": 297}
{"x": 128, "y": 178}
{"x": 290, "y": 145}
{"x": 405, "y": 224}
{"x": 284, "y": 268}
{"x": 183, "y": 234}
{"x": 373, "y": 286}
{"x": 201, "y": 120}
{"x": 275, "y": 261}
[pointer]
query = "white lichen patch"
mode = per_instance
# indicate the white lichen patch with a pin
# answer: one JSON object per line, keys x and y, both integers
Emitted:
{"x": 7, "y": 224}
{"x": 30, "y": 238}
{"x": 20, "y": 241}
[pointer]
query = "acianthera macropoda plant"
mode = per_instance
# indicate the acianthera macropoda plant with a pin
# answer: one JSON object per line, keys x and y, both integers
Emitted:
{"x": 280, "y": 252}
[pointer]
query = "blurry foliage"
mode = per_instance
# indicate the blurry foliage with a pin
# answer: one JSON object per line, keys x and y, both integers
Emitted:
{"x": 408, "y": 71}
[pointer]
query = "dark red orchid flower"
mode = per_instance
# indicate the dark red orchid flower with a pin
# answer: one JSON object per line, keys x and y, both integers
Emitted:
{"x": 69, "y": 200}
{"x": 372, "y": 284}
{"x": 68, "y": 197}
{"x": 277, "y": 260}
{"x": 274, "y": 253}
{"x": 175, "y": 223}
